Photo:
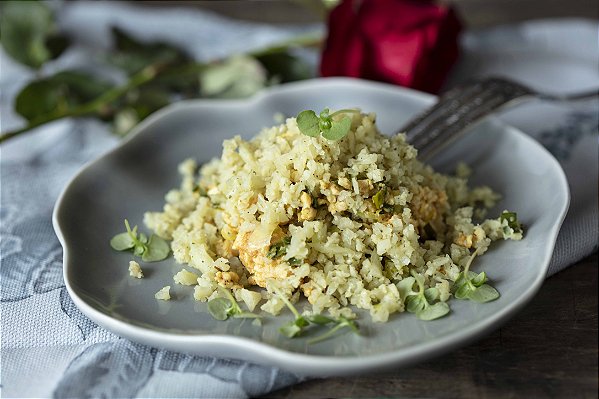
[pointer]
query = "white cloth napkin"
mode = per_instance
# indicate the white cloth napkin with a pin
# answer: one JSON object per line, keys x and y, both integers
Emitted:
{"x": 49, "y": 349}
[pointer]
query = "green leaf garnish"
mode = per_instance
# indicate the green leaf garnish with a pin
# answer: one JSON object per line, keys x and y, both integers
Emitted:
{"x": 338, "y": 130}
{"x": 153, "y": 249}
{"x": 421, "y": 302}
{"x": 290, "y": 330}
{"x": 470, "y": 285}
{"x": 341, "y": 322}
{"x": 222, "y": 308}
{"x": 122, "y": 242}
{"x": 307, "y": 122}
{"x": 311, "y": 125}
{"x": 157, "y": 249}
{"x": 432, "y": 312}
{"x": 298, "y": 326}
{"x": 219, "y": 308}
{"x": 484, "y": 293}
{"x": 320, "y": 319}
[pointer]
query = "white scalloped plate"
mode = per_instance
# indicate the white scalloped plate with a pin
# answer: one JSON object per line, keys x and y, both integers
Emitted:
{"x": 135, "y": 176}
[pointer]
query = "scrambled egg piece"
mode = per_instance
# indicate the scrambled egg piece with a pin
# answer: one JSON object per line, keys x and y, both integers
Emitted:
{"x": 253, "y": 257}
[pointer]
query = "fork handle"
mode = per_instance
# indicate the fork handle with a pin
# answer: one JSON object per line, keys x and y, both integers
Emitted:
{"x": 458, "y": 109}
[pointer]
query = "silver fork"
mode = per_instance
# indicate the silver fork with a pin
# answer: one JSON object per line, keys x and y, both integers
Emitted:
{"x": 461, "y": 107}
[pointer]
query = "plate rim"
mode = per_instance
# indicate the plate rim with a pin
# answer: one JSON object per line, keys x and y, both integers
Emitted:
{"x": 301, "y": 363}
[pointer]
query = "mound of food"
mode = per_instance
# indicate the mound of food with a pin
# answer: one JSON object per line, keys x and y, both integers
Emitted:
{"x": 341, "y": 222}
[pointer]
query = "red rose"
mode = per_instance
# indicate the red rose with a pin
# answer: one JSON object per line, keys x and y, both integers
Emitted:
{"x": 406, "y": 42}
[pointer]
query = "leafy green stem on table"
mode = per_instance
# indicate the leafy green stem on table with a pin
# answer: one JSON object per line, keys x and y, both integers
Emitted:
{"x": 94, "y": 106}
{"x": 158, "y": 73}
{"x": 153, "y": 249}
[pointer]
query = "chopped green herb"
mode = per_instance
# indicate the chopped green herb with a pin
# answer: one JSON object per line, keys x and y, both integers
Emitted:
{"x": 278, "y": 249}
{"x": 294, "y": 261}
{"x": 511, "y": 219}
{"x": 388, "y": 208}
{"x": 379, "y": 198}
{"x": 151, "y": 250}
{"x": 312, "y": 125}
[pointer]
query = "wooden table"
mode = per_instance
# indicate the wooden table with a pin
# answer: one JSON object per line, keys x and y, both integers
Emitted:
{"x": 548, "y": 350}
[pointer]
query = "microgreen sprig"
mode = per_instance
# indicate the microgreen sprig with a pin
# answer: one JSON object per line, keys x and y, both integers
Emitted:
{"x": 421, "y": 302}
{"x": 222, "y": 308}
{"x": 151, "y": 250}
{"x": 312, "y": 125}
{"x": 340, "y": 322}
{"x": 470, "y": 285}
{"x": 298, "y": 326}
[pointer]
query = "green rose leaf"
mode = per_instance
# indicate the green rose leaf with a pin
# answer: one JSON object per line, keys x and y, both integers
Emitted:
{"x": 58, "y": 94}
{"x": 29, "y": 34}
{"x": 133, "y": 55}
{"x": 282, "y": 66}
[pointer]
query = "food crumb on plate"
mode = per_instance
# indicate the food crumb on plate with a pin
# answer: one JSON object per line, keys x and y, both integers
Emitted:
{"x": 185, "y": 277}
{"x": 135, "y": 270}
{"x": 164, "y": 293}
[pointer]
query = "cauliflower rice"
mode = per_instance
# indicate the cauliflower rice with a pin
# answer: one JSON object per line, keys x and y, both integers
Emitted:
{"x": 338, "y": 222}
